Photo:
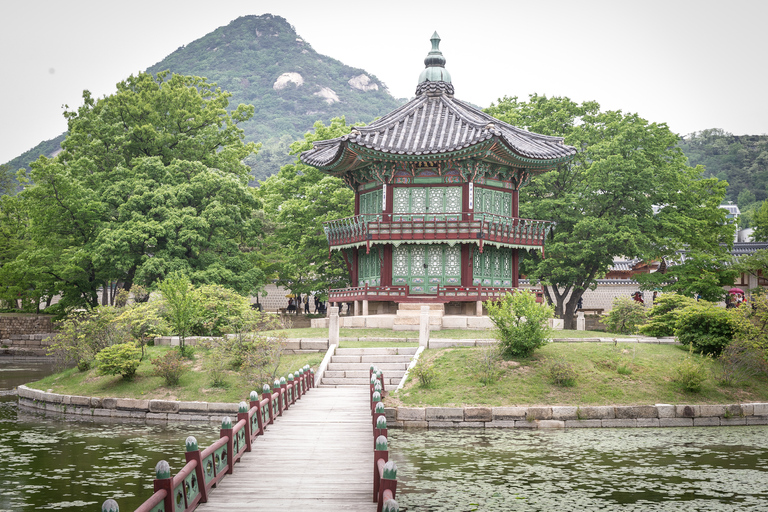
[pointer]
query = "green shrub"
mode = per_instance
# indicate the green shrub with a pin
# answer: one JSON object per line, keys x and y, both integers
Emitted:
{"x": 425, "y": 372}
{"x": 180, "y": 307}
{"x": 690, "y": 374}
{"x": 483, "y": 363}
{"x": 739, "y": 361}
{"x": 705, "y": 327}
{"x": 562, "y": 373}
{"x": 81, "y": 336}
{"x": 521, "y": 323}
{"x": 170, "y": 367}
{"x": 662, "y": 318}
{"x": 625, "y": 315}
{"x": 122, "y": 359}
{"x": 219, "y": 307}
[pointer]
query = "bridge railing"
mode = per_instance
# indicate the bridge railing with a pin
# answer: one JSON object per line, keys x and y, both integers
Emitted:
{"x": 384, "y": 470}
{"x": 206, "y": 468}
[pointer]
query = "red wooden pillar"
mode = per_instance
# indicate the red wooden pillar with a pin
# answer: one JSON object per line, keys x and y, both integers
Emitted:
{"x": 515, "y": 204}
{"x": 515, "y": 267}
{"x": 357, "y": 202}
{"x": 465, "y": 201}
{"x": 386, "y": 265}
{"x": 466, "y": 264}
{"x": 354, "y": 266}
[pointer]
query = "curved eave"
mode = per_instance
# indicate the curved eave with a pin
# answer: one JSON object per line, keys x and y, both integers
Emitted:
{"x": 349, "y": 156}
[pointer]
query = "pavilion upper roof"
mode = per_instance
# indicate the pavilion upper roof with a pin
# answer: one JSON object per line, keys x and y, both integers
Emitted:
{"x": 436, "y": 126}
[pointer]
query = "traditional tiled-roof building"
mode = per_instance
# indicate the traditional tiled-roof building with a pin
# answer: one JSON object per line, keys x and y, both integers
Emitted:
{"x": 436, "y": 198}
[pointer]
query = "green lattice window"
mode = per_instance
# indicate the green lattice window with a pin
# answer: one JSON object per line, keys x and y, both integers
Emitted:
{"x": 369, "y": 269}
{"x": 427, "y": 200}
{"x": 425, "y": 267}
{"x": 371, "y": 202}
{"x": 493, "y": 267}
{"x": 494, "y": 202}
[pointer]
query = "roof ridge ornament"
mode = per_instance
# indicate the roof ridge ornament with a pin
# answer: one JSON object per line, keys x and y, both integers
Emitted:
{"x": 435, "y": 71}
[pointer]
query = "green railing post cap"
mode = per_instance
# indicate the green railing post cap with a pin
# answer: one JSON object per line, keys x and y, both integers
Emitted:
{"x": 110, "y": 506}
{"x": 191, "y": 443}
{"x": 390, "y": 470}
{"x": 377, "y": 385}
{"x": 379, "y": 408}
{"x": 390, "y": 506}
{"x": 374, "y": 380}
{"x": 243, "y": 407}
{"x": 381, "y": 443}
{"x": 162, "y": 470}
{"x": 276, "y": 384}
{"x": 226, "y": 423}
{"x": 376, "y": 396}
{"x": 290, "y": 377}
{"x": 306, "y": 367}
{"x": 373, "y": 368}
{"x": 254, "y": 396}
{"x": 282, "y": 381}
{"x": 265, "y": 388}
{"x": 381, "y": 422}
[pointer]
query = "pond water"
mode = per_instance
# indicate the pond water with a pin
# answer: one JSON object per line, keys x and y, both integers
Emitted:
{"x": 657, "y": 469}
{"x": 53, "y": 462}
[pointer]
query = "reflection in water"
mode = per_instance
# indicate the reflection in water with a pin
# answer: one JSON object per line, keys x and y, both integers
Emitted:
{"x": 56, "y": 462}
{"x": 690, "y": 469}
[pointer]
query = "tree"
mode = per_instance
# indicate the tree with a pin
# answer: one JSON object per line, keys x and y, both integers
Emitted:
{"x": 299, "y": 199}
{"x": 182, "y": 308}
{"x": 8, "y": 182}
{"x": 150, "y": 181}
{"x": 521, "y": 323}
{"x": 628, "y": 192}
{"x": 761, "y": 223}
{"x": 699, "y": 274}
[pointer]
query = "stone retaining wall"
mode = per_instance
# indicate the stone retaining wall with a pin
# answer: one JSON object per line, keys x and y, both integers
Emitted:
{"x": 660, "y": 415}
{"x": 21, "y": 323}
{"x": 162, "y": 410}
{"x": 290, "y": 345}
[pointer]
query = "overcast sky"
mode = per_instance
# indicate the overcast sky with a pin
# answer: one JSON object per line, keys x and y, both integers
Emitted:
{"x": 692, "y": 64}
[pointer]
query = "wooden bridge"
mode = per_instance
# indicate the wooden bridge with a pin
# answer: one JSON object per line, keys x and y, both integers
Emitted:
{"x": 319, "y": 456}
{"x": 328, "y": 452}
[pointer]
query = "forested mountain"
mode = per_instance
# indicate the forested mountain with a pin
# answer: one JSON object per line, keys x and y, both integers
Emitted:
{"x": 263, "y": 62}
{"x": 741, "y": 160}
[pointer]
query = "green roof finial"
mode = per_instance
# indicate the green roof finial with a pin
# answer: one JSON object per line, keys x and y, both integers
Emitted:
{"x": 435, "y": 64}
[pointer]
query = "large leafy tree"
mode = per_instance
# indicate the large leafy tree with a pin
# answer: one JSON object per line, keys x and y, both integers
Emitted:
{"x": 628, "y": 192}
{"x": 761, "y": 223}
{"x": 298, "y": 199}
{"x": 150, "y": 181}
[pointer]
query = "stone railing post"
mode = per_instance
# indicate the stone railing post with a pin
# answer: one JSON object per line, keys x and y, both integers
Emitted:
{"x": 333, "y": 326}
{"x": 424, "y": 327}
{"x": 581, "y": 322}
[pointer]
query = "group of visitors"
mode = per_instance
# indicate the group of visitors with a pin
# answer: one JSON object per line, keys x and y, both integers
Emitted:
{"x": 297, "y": 303}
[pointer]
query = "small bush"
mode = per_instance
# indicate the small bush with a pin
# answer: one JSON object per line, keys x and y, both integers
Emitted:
{"x": 122, "y": 359}
{"x": 521, "y": 323}
{"x": 625, "y": 316}
{"x": 739, "y": 361}
{"x": 484, "y": 364}
{"x": 425, "y": 372}
{"x": 562, "y": 373}
{"x": 170, "y": 367}
{"x": 705, "y": 327}
{"x": 690, "y": 374}
{"x": 662, "y": 318}
{"x": 81, "y": 336}
{"x": 624, "y": 369}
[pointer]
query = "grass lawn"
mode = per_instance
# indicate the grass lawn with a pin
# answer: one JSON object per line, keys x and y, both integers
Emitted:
{"x": 647, "y": 379}
{"x": 460, "y": 334}
{"x": 195, "y": 385}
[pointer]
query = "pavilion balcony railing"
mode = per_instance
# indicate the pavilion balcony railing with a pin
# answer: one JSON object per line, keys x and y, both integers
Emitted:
{"x": 443, "y": 293}
{"x": 447, "y": 226}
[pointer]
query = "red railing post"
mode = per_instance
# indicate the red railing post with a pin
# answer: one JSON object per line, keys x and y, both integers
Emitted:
{"x": 277, "y": 390}
{"x": 242, "y": 414}
{"x": 380, "y": 453}
{"x": 267, "y": 395}
{"x": 164, "y": 482}
{"x": 284, "y": 393}
{"x": 226, "y": 431}
{"x": 193, "y": 453}
{"x": 255, "y": 402}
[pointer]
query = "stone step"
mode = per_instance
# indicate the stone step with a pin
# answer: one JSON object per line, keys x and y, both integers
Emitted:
{"x": 376, "y": 351}
{"x": 358, "y": 382}
{"x": 377, "y": 360}
{"x": 416, "y": 306}
{"x": 416, "y": 320}
{"x": 360, "y": 374}
{"x": 384, "y": 367}
{"x": 417, "y": 314}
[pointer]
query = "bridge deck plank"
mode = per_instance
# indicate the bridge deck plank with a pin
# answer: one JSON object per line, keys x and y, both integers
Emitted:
{"x": 318, "y": 455}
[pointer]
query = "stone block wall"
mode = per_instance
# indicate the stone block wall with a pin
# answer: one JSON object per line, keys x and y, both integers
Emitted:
{"x": 18, "y": 323}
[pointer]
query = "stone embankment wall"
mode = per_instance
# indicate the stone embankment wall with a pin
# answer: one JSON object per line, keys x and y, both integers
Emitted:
{"x": 578, "y": 417}
{"x": 162, "y": 410}
{"x": 25, "y": 334}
